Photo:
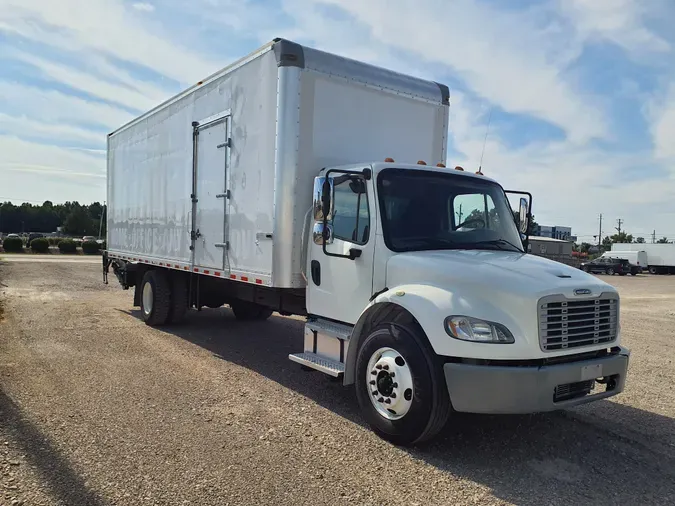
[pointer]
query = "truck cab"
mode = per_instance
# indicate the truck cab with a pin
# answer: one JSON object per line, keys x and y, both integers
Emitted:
{"x": 420, "y": 292}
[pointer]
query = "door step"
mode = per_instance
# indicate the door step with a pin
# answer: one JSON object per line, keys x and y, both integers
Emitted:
{"x": 314, "y": 361}
{"x": 330, "y": 329}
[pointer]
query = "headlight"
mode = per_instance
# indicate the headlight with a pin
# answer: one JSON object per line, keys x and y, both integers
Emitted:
{"x": 466, "y": 328}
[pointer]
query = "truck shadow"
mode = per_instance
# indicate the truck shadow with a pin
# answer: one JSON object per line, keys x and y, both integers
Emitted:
{"x": 607, "y": 452}
{"x": 64, "y": 483}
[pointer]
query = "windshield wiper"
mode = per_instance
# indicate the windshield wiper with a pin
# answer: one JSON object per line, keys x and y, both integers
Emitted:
{"x": 498, "y": 243}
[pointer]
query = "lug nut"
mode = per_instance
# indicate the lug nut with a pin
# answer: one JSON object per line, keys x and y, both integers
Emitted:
{"x": 385, "y": 367}
{"x": 372, "y": 382}
{"x": 388, "y": 401}
{"x": 393, "y": 395}
{"x": 392, "y": 374}
{"x": 395, "y": 385}
{"x": 381, "y": 399}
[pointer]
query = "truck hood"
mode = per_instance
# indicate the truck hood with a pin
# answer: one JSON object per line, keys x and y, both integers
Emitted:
{"x": 504, "y": 271}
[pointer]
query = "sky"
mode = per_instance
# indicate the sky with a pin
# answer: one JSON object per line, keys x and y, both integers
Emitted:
{"x": 579, "y": 94}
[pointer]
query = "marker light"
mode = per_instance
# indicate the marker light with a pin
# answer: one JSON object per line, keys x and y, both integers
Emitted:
{"x": 459, "y": 168}
{"x": 440, "y": 165}
{"x": 421, "y": 162}
{"x": 389, "y": 160}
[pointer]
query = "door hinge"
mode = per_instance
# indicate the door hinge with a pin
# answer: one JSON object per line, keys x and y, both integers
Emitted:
{"x": 195, "y": 235}
{"x": 194, "y": 199}
{"x": 226, "y": 144}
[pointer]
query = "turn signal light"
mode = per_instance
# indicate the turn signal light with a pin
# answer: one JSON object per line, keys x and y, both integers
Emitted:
{"x": 389, "y": 160}
{"x": 421, "y": 162}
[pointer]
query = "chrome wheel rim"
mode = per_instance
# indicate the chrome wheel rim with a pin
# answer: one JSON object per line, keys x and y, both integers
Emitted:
{"x": 148, "y": 297}
{"x": 389, "y": 383}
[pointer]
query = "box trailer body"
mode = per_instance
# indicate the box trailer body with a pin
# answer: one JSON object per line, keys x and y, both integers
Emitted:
{"x": 660, "y": 257}
{"x": 308, "y": 184}
{"x": 233, "y": 159}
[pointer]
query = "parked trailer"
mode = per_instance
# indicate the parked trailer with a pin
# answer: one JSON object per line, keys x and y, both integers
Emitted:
{"x": 301, "y": 182}
{"x": 638, "y": 258}
{"x": 660, "y": 257}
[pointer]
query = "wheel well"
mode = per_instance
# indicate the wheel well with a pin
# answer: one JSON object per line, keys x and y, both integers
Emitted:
{"x": 374, "y": 315}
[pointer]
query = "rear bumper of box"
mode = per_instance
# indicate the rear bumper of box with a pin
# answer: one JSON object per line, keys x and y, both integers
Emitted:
{"x": 510, "y": 390}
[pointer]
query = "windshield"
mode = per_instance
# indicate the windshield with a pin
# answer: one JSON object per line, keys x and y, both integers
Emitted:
{"x": 425, "y": 210}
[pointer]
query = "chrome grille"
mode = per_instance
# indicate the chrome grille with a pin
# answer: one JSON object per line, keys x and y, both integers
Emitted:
{"x": 569, "y": 323}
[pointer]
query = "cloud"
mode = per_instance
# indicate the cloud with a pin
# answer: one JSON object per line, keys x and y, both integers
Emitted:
{"x": 621, "y": 22}
{"x": 661, "y": 112}
{"x": 25, "y": 127}
{"x": 515, "y": 59}
{"x": 143, "y": 7}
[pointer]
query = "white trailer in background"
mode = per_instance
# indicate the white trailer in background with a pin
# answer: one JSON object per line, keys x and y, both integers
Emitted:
{"x": 305, "y": 183}
{"x": 660, "y": 257}
{"x": 638, "y": 258}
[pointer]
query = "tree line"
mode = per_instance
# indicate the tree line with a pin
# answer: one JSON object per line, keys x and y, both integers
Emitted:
{"x": 622, "y": 237}
{"x": 75, "y": 219}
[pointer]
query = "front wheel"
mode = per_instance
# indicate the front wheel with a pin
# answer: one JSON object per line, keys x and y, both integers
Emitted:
{"x": 400, "y": 385}
{"x": 610, "y": 271}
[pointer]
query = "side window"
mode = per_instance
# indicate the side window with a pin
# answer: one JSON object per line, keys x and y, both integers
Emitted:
{"x": 351, "y": 218}
{"x": 474, "y": 210}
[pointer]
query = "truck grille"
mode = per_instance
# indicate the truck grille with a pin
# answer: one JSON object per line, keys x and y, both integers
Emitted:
{"x": 566, "y": 323}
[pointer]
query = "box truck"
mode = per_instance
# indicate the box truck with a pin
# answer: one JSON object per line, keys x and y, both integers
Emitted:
{"x": 637, "y": 258}
{"x": 660, "y": 257}
{"x": 303, "y": 183}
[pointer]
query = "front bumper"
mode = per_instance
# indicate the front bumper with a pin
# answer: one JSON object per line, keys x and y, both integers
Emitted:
{"x": 514, "y": 389}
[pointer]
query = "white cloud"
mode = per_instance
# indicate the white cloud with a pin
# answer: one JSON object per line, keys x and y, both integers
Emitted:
{"x": 53, "y": 106}
{"x": 25, "y": 127}
{"x": 618, "y": 21}
{"x": 661, "y": 112}
{"x": 514, "y": 59}
{"x": 143, "y": 6}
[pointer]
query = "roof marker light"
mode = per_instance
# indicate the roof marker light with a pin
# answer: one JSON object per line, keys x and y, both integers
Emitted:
{"x": 459, "y": 168}
{"x": 389, "y": 160}
{"x": 442, "y": 165}
{"x": 421, "y": 162}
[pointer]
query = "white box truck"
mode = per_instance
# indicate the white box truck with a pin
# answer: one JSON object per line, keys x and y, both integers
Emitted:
{"x": 637, "y": 258}
{"x": 660, "y": 257}
{"x": 305, "y": 183}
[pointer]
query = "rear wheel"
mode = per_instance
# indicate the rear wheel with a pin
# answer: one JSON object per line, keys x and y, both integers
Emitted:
{"x": 653, "y": 270}
{"x": 400, "y": 385}
{"x": 610, "y": 271}
{"x": 250, "y": 311}
{"x": 155, "y": 298}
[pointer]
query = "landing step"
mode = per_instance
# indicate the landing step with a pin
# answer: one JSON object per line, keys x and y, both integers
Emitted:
{"x": 330, "y": 329}
{"x": 325, "y": 365}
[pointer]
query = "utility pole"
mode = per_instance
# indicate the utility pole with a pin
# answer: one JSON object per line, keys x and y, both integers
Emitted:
{"x": 654, "y": 237}
{"x": 618, "y": 229}
{"x": 600, "y": 235}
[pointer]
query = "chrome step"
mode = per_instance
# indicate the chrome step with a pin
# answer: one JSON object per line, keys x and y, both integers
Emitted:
{"x": 330, "y": 329}
{"x": 325, "y": 365}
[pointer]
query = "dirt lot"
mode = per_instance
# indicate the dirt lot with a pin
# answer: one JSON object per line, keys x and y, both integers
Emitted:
{"x": 97, "y": 408}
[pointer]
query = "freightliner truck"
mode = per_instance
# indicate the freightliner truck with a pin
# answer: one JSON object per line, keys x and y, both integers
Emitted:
{"x": 304, "y": 183}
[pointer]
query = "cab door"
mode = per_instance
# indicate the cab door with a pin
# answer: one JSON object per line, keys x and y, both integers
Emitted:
{"x": 340, "y": 274}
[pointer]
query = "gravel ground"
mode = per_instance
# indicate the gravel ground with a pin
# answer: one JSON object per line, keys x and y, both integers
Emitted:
{"x": 97, "y": 408}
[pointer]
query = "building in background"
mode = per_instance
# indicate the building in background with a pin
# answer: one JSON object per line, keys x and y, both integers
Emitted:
{"x": 556, "y": 232}
{"x": 555, "y": 249}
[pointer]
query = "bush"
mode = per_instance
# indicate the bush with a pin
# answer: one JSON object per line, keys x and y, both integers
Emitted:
{"x": 90, "y": 247}
{"x": 54, "y": 241}
{"x": 67, "y": 246}
{"x": 13, "y": 245}
{"x": 40, "y": 245}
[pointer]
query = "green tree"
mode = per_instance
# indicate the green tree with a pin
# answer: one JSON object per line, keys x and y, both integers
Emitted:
{"x": 663, "y": 240}
{"x": 79, "y": 222}
{"x": 585, "y": 247}
{"x": 640, "y": 240}
{"x": 623, "y": 237}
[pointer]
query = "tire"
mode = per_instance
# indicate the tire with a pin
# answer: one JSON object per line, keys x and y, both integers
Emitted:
{"x": 179, "y": 298}
{"x": 610, "y": 272}
{"x": 155, "y": 298}
{"x": 427, "y": 410}
{"x": 633, "y": 273}
{"x": 653, "y": 270}
{"x": 249, "y": 311}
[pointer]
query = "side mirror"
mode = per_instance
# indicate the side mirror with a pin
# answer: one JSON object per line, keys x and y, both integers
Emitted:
{"x": 322, "y": 235}
{"x": 323, "y": 199}
{"x": 523, "y": 216}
